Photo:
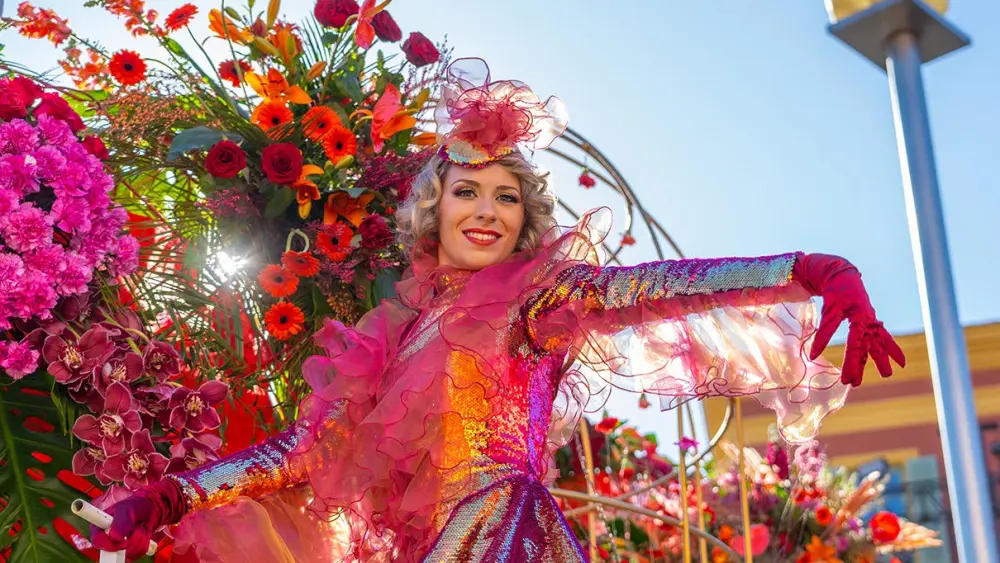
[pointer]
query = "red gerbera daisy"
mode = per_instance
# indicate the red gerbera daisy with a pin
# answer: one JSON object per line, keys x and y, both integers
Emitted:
{"x": 277, "y": 281}
{"x": 284, "y": 320}
{"x": 318, "y": 122}
{"x": 227, "y": 71}
{"x": 127, "y": 67}
{"x": 338, "y": 143}
{"x": 180, "y": 17}
{"x": 270, "y": 114}
{"x": 335, "y": 241}
{"x": 300, "y": 263}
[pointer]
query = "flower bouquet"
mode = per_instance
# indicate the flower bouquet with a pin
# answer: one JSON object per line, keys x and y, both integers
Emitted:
{"x": 262, "y": 164}
{"x": 87, "y": 391}
{"x": 801, "y": 510}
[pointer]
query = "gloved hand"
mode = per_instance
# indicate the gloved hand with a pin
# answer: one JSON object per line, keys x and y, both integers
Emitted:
{"x": 137, "y": 518}
{"x": 838, "y": 282}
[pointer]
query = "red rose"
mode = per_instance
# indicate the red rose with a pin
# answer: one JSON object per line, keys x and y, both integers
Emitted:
{"x": 225, "y": 160}
{"x": 386, "y": 28}
{"x": 11, "y": 106}
{"x": 95, "y": 146}
{"x": 54, "y": 106}
{"x": 282, "y": 163}
{"x": 375, "y": 232}
{"x": 26, "y": 88}
{"x": 334, "y": 13}
{"x": 419, "y": 50}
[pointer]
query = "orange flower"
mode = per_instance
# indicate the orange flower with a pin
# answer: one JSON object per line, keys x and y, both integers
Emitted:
{"x": 719, "y": 555}
{"x": 277, "y": 281}
{"x": 341, "y": 204}
{"x": 284, "y": 320}
{"x": 819, "y": 552}
{"x": 223, "y": 26}
{"x": 288, "y": 44}
{"x": 274, "y": 86}
{"x": 127, "y": 67}
{"x": 318, "y": 121}
{"x": 180, "y": 18}
{"x": 270, "y": 114}
{"x": 364, "y": 33}
{"x": 884, "y": 527}
{"x": 823, "y": 516}
{"x": 306, "y": 190}
{"x": 725, "y": 533}
{"x": 628, "y": 240}
{"x": 338, "y": 143}
{"x": 227, "y": 71}
{"x": 300, "y": 263}
{"x": 607, "y": 425}
{"x": 335, "y": 242}
{"x": 389, "y": 117}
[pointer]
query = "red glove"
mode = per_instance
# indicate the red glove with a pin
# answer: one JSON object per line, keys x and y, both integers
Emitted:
{"x": 838, "y": 282}
{"x": 137, "y": 518}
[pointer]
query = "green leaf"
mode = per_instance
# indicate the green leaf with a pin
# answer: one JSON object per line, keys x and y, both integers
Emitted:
{"x": 321, "y": 308}
{"x": 28, "y": 478}
{"x": 384, "y": 286}
{"x": 199, "y": 137}
{"x": 355, "y": 192}
{"x": 282, "y": 198}
{"x": 351, "y": 86}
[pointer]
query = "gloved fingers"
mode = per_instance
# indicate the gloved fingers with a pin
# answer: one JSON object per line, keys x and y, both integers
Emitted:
{"x": 101, "y": 541}
{"x": 829, "y": 321}
{"x": 137, "y": 545}
{"x": 123, "y": 523}
{"x": 880, "y": 356}
{"x": 855, "y": 356}
{"x": 892, "y": 348}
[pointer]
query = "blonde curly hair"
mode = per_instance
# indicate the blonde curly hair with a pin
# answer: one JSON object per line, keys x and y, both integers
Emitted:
{"x": 417, "y": 217}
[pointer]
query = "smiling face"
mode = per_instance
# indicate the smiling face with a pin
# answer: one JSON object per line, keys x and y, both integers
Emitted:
{"x": 481, "y": 216}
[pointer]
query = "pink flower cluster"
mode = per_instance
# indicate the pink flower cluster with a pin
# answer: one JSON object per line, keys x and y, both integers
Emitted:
{"x": 57, "y": 222}
{"x": 127, "y": 381}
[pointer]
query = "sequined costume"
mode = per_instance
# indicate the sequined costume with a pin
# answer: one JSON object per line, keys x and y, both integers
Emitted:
{"x": 431, "y": 424}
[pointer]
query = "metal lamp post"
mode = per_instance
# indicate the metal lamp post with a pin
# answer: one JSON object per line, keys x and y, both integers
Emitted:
{"x": 899, "y": 36}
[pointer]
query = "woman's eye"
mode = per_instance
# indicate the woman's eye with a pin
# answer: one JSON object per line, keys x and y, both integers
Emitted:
{"x": 508, "y": 198}
{"x": 465, "y": 192}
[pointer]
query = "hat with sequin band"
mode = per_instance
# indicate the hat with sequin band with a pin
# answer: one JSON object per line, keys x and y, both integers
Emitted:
{"x": 479, "y": 121}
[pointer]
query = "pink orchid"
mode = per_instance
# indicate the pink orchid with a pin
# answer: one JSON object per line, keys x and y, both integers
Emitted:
{"x": 111, "y": 497}
{"x": 193, "y": 452}
{"x": 195, "y": 410}
{"x": 687, "y": 445}
{"x": 161, "y": 360}
{"x": 71, "y": 363}
{"x": 120, "y": 368}
{"x": 89, "y": 460}
{"x": 115, "y": 426}
{"x": 138, "y": 465}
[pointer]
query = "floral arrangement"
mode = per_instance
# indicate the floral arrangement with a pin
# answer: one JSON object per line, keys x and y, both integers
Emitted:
{"x": 266, "y": 182}
{"x": 801, "y": 510}
{"x": 57, "y": 223}
{"x": 67, "y": 343}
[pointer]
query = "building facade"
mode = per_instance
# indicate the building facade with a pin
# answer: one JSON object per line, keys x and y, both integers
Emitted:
{"x": 891, "y": 424}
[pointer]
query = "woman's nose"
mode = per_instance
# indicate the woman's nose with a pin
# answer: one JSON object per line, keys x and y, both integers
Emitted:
{"x": 486, "y": 212}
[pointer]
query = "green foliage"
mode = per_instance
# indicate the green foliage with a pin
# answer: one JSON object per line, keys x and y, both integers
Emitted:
{"x": 34, "y": 446}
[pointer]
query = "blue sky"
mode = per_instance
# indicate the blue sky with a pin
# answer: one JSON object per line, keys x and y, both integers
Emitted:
{"x": 745, "y": 130}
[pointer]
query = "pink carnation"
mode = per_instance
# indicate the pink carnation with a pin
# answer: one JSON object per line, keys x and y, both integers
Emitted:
{"x": 74, "y": 275}
{"x": 71, "y": 215}
{"x": 19, "y": 173}
{"x": 17, "y": 136}
{"x": 18, "y": 359}
{"x": 55, "y": 131}
{"x": 26, "y": 228}
{"x": 8, "y": 201}
{"x": 126, "y": 252}
{"x": 49, "y": 162}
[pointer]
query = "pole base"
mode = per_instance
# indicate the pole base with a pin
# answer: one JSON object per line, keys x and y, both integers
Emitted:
{"x": 868, "y": 31}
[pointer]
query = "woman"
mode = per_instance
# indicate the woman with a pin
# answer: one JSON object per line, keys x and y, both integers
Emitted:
{"x": 431, "y": 423}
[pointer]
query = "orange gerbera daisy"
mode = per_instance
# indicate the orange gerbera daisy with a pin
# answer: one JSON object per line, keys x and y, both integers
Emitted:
{"x": 180, "y": 17}
{"x": 319, "y": 121}
{"x": 278, "y": 281}
{"x": 338, "y": 143}
{"x": 127, "y": 67}
{"x": 300, "y": 263}
{"x": 270, "y": 114}
{"x": 227, "y": 71}
{"x": 284, "y": 320}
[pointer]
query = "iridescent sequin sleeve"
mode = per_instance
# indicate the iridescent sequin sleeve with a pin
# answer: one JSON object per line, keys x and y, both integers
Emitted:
{"x": 254, "y": 472}
{"x": 616, "y": 287}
